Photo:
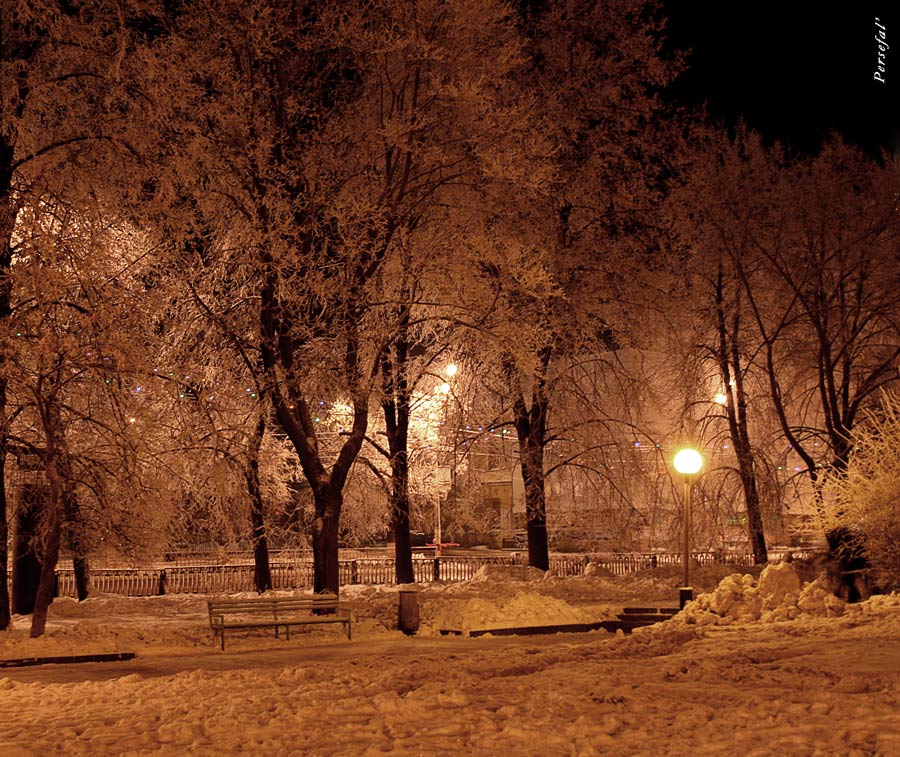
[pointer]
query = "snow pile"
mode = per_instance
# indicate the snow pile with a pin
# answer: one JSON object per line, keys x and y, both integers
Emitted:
{"x": 884, "y": 608}
{"x": 107, "y": 623}
{"x": 517, "y": 573}
{"x": 776, "y": 596}
{"x": 521, "y": 609}
{"x": 595, "y": 569}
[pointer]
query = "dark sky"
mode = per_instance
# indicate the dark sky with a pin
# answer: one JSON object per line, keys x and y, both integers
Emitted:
{"x": 793, "y": 70}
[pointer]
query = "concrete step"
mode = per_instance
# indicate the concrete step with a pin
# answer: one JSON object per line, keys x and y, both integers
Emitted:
{"x": 606, "y": 625}
{"x": 66, "y": 659}
{"x": 669, "y": 611}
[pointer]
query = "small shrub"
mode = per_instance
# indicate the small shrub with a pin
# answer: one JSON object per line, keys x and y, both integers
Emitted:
{"x": 865, "y": 500}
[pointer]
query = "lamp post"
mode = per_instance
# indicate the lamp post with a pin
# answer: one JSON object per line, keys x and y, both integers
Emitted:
{"x": 687, "y": 462}
{"x": 446, "y": 389}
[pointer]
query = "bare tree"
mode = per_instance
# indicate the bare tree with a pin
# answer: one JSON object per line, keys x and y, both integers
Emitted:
{"x": 569, "y": 255}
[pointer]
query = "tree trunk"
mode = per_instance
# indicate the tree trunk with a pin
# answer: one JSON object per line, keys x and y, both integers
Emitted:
{"x": 751, "y": 501}
{"x": 532, "y": 459}
{"x": 403, "y": 565}
{"x": 76, "y": 539}
{"x": 49, "y": 558}
{"x": 397, "y": 425}
{"x": 396, "y": 406}
{"x": 26, "y": 560}
{"x": 326, "y": 566}
{"x": 5, "y": 613}
{"x": 728, "y": 356}
{"x": 262, "y": 573}
{"x": 7, "y": 223}
{"x": 531, "y": 429}
{"x": 82, "y": 572}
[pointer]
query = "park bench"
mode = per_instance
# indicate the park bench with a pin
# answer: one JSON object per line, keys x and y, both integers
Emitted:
{"x": 275, "y": 612}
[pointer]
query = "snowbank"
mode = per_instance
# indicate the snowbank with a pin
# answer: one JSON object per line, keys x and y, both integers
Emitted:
{"x": 497, "y": 596}
{"x": 776, "y": 596}
{"x": 521, "y": 609}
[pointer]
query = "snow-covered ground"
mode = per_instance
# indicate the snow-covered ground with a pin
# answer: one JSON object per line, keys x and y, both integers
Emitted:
{"x": 755, "y": 667}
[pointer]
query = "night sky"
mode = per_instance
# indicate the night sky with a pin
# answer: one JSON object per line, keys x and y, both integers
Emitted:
{"x": 793, "y": 70}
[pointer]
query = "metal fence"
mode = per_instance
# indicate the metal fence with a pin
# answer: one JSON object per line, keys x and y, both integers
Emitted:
{"x": 298, "y": 573}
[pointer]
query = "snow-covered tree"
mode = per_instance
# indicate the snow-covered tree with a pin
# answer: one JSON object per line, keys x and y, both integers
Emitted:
{"x": 567, "y": 257}
{"x": 62, "y": 74}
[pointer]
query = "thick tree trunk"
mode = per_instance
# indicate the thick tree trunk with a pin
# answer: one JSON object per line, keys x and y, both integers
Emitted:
{"x": 396, "y": 405}
{"x": 262, "y": 573}
{"x": 82, "y": 572}
{"x": 26, "y": 560}
{"x": 755, "y": 529}
{"x": 531, "y": 430}
{"x": 76, "y": 540}
{"x": 532, "y": 460}
{"x": 326, "y": 566}
{"x": 398, "y": 433}
{"x": 403, "y": 565}
{"x": 49, "y": 557}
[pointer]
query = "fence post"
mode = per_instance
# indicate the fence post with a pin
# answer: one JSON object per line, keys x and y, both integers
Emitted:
{"x": 354, "y": 572}
{"x": 436, "y": 569}
{"x": 162, "y": 582}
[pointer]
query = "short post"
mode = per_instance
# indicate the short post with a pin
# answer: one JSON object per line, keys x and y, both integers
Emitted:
{"x": 408, "y": 611}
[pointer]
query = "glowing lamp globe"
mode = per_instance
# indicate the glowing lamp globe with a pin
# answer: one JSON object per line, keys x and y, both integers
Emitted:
{"x": 688, "y": 461}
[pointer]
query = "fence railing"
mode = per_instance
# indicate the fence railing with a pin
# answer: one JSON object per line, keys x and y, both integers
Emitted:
{"x": 298, "y": 573}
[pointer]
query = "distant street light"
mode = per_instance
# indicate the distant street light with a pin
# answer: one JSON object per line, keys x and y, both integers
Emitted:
{"x": 688, "y": 463}
{"x": 451, "y": 370}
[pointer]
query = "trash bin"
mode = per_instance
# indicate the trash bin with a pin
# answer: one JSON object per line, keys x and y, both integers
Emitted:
{"x": 408, "y": 611}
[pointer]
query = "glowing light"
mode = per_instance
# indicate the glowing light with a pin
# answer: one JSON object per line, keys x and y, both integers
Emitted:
{"x": 132, "y": 420}
{"x": 688, "y": 461}
{"x": 445, "y": 388}
{"x": 451, "y": 370}
{"x": 721, "y": 399}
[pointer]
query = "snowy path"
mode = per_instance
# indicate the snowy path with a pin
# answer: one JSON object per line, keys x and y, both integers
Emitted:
{"x": 833, "y": 689}
{"x": 265, "y": 655}
{"x": 814, "y": 685}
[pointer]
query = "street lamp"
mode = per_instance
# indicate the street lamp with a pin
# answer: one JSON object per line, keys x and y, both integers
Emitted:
{"x": 688, "y": 463}
{"x": 446, "y": 388}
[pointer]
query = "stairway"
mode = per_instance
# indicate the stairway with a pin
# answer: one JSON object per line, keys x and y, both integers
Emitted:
{"x": 636, "y": 617}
